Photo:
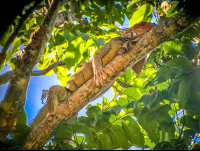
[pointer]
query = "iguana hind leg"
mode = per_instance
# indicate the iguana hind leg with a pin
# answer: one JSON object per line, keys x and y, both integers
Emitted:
{"x": 57, "y": 94}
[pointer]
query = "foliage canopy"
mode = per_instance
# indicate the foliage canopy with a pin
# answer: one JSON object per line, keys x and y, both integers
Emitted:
{"x": 157, "y": 109}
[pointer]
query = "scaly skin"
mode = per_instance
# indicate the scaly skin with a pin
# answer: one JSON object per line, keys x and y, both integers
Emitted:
{"x": 95, "y": 68}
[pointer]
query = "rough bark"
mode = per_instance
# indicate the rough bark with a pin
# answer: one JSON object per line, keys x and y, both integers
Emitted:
{"x": 15, "y": 97}
{"x": 165, "y": 30}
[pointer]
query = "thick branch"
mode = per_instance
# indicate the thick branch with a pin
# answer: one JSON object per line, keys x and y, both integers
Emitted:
{"x": 165, "y": 30}
{"x": 15, "y": 97}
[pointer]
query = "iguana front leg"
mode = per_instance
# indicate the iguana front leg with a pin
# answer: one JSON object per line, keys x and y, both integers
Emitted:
{"x": 103, "y": 56}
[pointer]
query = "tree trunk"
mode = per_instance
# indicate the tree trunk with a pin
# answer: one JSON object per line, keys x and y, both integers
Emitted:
{"x": 15, "y": 97}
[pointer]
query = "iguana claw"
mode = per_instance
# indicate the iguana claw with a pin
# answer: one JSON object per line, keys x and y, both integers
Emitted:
{"x": 99, "y": 75}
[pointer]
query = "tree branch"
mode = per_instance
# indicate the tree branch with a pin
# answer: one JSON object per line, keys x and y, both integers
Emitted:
{"x": 4, "y": 78}
{"x": 15, "y": 97}
{"x": 165, "y": 30}
{"x": 50, "y": 67}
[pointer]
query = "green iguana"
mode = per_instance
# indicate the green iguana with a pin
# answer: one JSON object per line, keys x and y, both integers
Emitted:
{"x": 95, "y": 67}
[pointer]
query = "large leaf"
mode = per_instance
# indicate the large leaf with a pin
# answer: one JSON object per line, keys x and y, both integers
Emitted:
{"x": 157, "y": 114}
{"x": 167, "y": 126}
{"x": 132, "y": 5}
{"x": 22, "y": 118}
{"x": 93, "y": 112}
{"x": 190, "y": 51}
{"x": 68, "y": 128}
{"x": 150, "y": 128}
{"x": 188, "y": 121}
{"x": 85, "y": 120}
{"x": 127, "y": 76}
{"x": 118, "y": 136}
{"x": 74, "y": 52}
{"x": 171, "y": 11}
{"x": 141, "y": 14}
{"x": 188, "y": 135}
{"x": 59, "y": 39}
{"x": 122, "y": 101}
{"x": 104, "y": 142}
{"x": 148, "y": 100}
{"x": 134, "y": 93}
{"x": 184, "y": 90}
{"x": 132, "y": 131}
{"x": 99, "y": 42}
{"x": 83, "y": 36}
{"x": 173, "y": 47}
{"x": 69, "y": 36}
{"x": 163, "y": 74}
{"x": 179, "y": 65}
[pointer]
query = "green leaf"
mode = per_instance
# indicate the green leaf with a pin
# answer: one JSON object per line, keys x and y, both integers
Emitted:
{"x": 143, "y": 111}
{"x": 173, "y": 47}
{"x": 99, "y": 42}
{"x": 58, "y": 39}
{"x": 68, "y": 128}
{"x": 179, "y": 65}
{"x": 148, "y": 100}
{"x": 12, "y": 63}
{"x": 150, "y": 128}
{"x": 102, "y": 123}
{"x": 127, "y": 75}
{"x": 104, "y": 142}
{"x": 167, "y": 126}
{"x": 93, "y": 112}
{"x": 165, "y": 94}
{"x": 163, "y": 74}
{"x": 157, "y": 114}
{"x": 156, "y": 104}
{"x": 42, "y": 65}
{"x": 190, "y": 51}
{"x": 122, "y": 101}
{"x": 132, "y": 131}
{"x": 188, "y": 135}
{"x": 188, "y": 121}
{"x": 184, "y": 90}
{"x": 83, "y": 36}
{"x": 85, "y": 120}
{"x": 80, "y": 139}
{"x": 69, "y": 36}
{"x": 132, "y": 6}
{"x": 22, "y": 118}
{"x": 141, "y": 14}
{"x": 114, "y": 109}
{"x": 172, "y": 8}
{"x": 134, "y": 93}
{"x": 118, "y": 137}
{"x": 61, "y": 49}
{"x": 74, "y": 52}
